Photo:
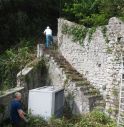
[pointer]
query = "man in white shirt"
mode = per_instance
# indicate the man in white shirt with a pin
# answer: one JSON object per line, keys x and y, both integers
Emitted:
{"x": 49, "y": 38}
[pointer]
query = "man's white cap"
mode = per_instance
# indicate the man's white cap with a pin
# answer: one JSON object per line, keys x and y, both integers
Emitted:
{"x": 48, "y": 27}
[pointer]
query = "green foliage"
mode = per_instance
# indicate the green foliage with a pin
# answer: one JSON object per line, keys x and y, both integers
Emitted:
{"x": 26, "y": 19}
{"x": 104, "y": 30}
{"x": 109, "y": 50}
{"x": 92, "y": 12}
{"x": 36, "y": 121}
{"x": 100, "y": 117}
{"x": 78, "y": 32}
{"x": 11, "y": 62}
{"x": 96, "y": 119}
{"x": 60, "y": 123}
{"x": 91, "y": 31}
{"x": 93, "y": 119}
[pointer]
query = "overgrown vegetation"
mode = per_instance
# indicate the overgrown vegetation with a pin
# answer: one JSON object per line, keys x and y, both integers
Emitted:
{"x": 37, "y": 122}
{"x": 92, "y": 12}
{"x": 93, "y": 119}
{"x": 14, "y": 60}
{"x": 79, "y": 32}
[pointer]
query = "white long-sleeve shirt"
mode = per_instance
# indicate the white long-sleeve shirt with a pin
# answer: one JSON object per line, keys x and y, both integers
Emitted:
{"x": 48, "y": 31}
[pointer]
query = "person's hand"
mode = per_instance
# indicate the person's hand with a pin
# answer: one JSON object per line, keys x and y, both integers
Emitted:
{"x": 26, "y": 120}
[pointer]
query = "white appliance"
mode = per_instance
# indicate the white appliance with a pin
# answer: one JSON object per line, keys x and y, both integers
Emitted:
{"x": 46, "y": 101}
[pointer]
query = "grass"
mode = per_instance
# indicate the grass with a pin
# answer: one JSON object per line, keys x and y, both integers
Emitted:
{"x": 93, "y": 119}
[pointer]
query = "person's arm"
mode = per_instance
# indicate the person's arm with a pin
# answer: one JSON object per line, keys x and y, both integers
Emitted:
{"x": 22, "y": 115}
{"x": 21, "y": 112}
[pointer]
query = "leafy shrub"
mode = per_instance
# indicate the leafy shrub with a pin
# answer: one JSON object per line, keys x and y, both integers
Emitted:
{"x": 77, "y": 32}
{"x": 60, "y": 123}
{"x": 36, "y": 121}
{"x": 11, "y": 62}
{"x": 92, "y": 12}
{"x": 96, "y": 119}
{"x": 93, "y": 119}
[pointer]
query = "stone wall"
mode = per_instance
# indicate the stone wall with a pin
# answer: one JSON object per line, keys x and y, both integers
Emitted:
{"x": 99, "y": 59}
{"x": 33, "y": 75}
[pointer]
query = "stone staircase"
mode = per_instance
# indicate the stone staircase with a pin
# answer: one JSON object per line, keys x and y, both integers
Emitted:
{"x": 89, "y": 91}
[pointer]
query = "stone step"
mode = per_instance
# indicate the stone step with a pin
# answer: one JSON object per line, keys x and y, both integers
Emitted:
{"x": 95, "y": 97}
{"x": 99, "y": 103}
{"x": 58, "y": 57}
{"x": 87, "y": 87}
{"x": 73, "y": 75}
{"x": 83, "y": 82}
{"x": 74, "y": 79}
{"x": 64, "y": 66}
{"x": 72, "y": 70}
{"x": 67, "y": 69}
{"x": 91, "y": 92}
{"x": 60, "y": 61}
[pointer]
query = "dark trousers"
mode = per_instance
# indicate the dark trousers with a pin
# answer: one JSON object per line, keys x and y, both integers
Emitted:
{"x": 20, "y": 124}
{"x": 15, "y": 125}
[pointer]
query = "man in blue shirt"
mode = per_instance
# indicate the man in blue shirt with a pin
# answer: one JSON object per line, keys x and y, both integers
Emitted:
{"x": 16, "y": 112}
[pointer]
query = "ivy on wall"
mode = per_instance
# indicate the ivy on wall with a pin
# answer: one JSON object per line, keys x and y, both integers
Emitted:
{"x": 104, "y": 31}
{"x": 79, "y": 32}
{"x": 91, "y": 31}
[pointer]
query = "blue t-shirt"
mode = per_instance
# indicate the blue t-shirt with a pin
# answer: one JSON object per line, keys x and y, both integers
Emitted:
{"x": 14, "y": 115}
